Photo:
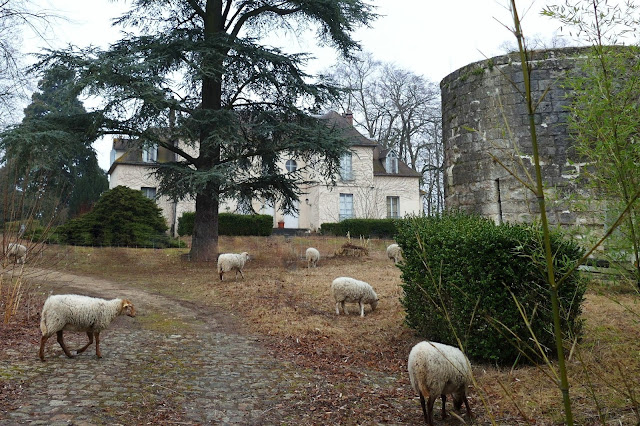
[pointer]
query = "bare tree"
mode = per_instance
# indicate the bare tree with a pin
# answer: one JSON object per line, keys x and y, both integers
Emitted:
{"x": 401, "y": 110}
{"x": 15, "y": 16}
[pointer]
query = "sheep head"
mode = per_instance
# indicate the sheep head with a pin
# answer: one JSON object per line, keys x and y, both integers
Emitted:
{"x": 127, "y": 308}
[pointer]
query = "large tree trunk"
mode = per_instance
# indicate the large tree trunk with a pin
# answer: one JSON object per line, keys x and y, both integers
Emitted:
{"x": 204, "y": 245}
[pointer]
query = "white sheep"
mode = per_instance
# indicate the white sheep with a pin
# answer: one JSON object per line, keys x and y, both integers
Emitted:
{"x": 394, "y": 252}
{"x": 73, "y": 312}
{"x": 313, "y": 255}
{"x": 17, "y": 251}
{"x": 346, "y": 289}
{"x": 228, "y": 262}
{"x": 436, "y": 370}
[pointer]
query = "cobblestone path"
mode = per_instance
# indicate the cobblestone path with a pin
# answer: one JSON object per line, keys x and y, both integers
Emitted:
{"x": 172, "y": 364}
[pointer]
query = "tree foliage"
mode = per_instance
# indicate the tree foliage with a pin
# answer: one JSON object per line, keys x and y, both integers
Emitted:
{"x": 604, "y": 118}
{"x": 399, "y": 109}
{"x": 50, "y": 152}
{"x": 121, "y": 217}
{"x": 239, "y": 104}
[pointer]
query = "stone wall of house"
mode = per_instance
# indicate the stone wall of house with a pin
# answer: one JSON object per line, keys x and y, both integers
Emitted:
{"x": 485, "y": 121}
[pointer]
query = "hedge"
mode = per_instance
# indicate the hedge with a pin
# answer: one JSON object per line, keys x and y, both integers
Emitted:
{"x": 231, "y": 224}
{"x": 381, "y": 228}
{"x": 462, "y": 273}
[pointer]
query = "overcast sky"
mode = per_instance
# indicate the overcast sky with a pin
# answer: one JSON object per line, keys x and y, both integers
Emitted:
{"x": 429, "y": 37}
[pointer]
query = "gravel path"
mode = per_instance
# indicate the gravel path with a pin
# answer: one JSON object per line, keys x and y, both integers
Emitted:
{"x": 175, "y": 363}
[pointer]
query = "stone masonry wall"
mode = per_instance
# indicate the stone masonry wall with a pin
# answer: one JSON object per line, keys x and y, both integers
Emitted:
{"x": 483, "y": 115}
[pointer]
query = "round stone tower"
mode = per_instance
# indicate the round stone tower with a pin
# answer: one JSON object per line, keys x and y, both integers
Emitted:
{"x": 485, "y": 122}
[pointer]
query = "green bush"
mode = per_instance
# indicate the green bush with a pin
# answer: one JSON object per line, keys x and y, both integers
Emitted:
{"x": 121, "y": 217}
{"x": 381, "y": 228}
{"x": 241, "y": 224}
{"x": 185, "y": 223}
{"x": 231, "y": 224}
{"x": 460, "y": 277}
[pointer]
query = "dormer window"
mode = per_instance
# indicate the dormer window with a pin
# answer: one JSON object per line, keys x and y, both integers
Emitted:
{"x": 150, "y": 154}
{"x": 391, "y": 163}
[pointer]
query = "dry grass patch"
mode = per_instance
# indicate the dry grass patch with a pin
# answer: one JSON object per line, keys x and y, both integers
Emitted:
{"x": 291, "y": 306}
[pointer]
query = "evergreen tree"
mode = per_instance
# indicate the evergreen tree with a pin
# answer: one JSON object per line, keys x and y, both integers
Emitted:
{"x": 49, "y": 154}
{"x": 238, "y": 103}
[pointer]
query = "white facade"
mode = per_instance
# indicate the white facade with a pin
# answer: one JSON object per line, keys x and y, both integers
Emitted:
{"x": 372, "y": 184}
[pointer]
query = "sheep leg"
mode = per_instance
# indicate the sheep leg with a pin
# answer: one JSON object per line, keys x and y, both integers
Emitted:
{"x": 98, "y": 353}
{"x": 430, "y": 402}
{"x": 361, "y": 309}
{"x": 62, "y": 345}
{"x": 444, "y": 401}
{"x": 344, "y": 308}
{"x": 337, "y": 308}
{"x": 43, "y": 340}
{"x": 84, "y": 348}
{"x": 221, "y": 274}
{"x": 424, "y": 409}
{"x": 241, "y": 274}
{"x": 466, "y": 404}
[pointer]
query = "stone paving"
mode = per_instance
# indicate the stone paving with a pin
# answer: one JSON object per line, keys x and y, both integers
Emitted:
{"x": 194, "y": 370}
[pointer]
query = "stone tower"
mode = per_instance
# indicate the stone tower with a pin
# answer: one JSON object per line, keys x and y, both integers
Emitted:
{"x": 485, "y": 122}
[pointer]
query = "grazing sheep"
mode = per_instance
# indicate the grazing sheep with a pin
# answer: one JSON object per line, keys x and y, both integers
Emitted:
{"x": 435, "y": 370}
{"x": 313, "y": 255}
{"x": 17, "y": 251}
{"x": 73, "y": 312}
{"x": 345, "y": 289}
{"x": 394, "y": 252}
{"x": 228, "y": 262}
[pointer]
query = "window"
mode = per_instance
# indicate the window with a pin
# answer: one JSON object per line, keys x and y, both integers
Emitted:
{"x": 291, "y": 166}
{"x": 392, "y": 162}
{"x": 346, "y": 206}
{"x": 346, "y": 172}
{"x": 393, "y": 207}
{"x": 149, "y": 192}
{"x": 150, "y": 154}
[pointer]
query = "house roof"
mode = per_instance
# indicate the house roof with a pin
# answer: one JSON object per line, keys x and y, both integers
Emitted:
{"x": 379, "y": 156}
{"x": 379, "y": 152}
{"x": 355, "y": 137}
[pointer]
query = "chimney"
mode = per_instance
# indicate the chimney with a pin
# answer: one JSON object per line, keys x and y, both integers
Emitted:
{"x": 349, "y": 116}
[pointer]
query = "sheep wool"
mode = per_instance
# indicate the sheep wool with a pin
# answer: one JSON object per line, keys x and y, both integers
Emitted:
{"x": 346, "y": 289}
{"x": 436, "y": 370}
{"x": 72, "y": 312}
{"x": 394, "y": 252}
{"x": 313, "y": 255}
{"x": 228, "y": 262}
{"x": 17, "y": 251}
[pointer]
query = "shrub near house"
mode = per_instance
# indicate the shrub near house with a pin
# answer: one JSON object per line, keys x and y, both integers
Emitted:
{"x": 462, "y": 273}
{"x": 121, "y": 217}
{"x": 231, "y": 224}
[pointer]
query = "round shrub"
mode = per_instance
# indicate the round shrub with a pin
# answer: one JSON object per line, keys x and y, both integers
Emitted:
{"x": 121, "y": 217}
{"x": 463, "y": 274}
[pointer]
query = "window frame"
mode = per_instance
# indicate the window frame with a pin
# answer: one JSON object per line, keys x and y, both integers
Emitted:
{"x": 345, "y": 210}
{"x": 293, "y": 163}
{"x": 150, "y": 154}
{"x": 391, "y": 162}
{"x": 346, "y": 167}
{"x": 390, "y": 207}
{"x": 147, "y": 189}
